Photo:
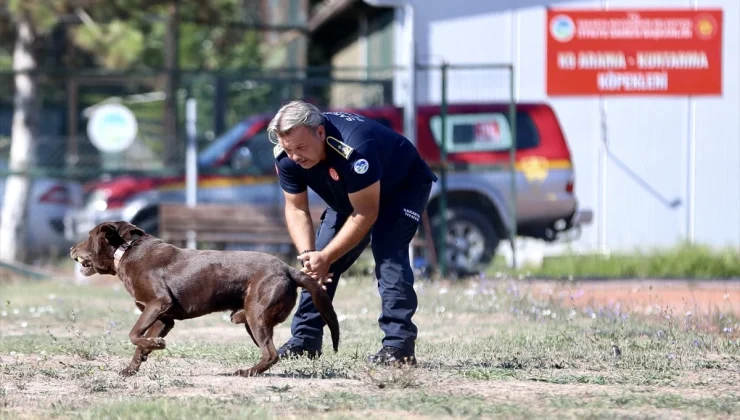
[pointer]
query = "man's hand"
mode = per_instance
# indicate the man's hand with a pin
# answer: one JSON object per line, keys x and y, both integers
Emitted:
{"x": 315, "y": 264}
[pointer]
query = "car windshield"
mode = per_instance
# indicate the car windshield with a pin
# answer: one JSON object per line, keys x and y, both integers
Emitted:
{"x": 215, "y": 151}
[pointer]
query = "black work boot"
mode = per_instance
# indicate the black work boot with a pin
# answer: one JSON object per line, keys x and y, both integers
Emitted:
{"x": 393, "y": 356}
{"x": 290, "y": 350}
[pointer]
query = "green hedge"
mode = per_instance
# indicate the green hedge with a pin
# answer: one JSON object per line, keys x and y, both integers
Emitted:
{"x": 683, "y": 261}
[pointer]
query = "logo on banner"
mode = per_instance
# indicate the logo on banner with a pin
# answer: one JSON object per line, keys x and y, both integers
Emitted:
{"x": 562, "y": 28}
{"x": 705, "y": 27}
{"x": 634, "y": 52}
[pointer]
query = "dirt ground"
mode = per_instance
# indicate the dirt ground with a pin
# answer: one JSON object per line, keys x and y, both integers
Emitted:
{"x": 36, "y": 384}
{"x": 683, "y": 296}
{"x": 636, "y": 295}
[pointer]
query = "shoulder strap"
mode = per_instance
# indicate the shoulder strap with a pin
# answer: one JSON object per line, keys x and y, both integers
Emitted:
{"x": 277, "y": 151}
{"x": 339, "y": 146}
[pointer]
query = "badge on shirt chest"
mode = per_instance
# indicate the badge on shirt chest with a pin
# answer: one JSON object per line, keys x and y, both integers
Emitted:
{"x": 333, "y": 174}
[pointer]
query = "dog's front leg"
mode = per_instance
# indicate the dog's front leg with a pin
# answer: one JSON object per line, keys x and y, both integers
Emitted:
{"x": 152, "y": 311}
{"x": 160, "y": 328}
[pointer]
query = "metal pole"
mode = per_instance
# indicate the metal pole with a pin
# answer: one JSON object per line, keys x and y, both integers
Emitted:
{"x": 691, "y": 187}
{"x": 603, "y": 162}
{"x": 691, "y": 172}
{"x": 191, "y": 163}
{"x": 410, "y": 111}
{"x": 443, "y": 177}
{"x": 512, "y": 162}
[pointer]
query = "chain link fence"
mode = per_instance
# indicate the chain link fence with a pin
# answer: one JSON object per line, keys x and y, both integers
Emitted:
{"x": 224, "y": 99}
{"x": 445, "y": 127}
{"x": 471, "y": 109}
{"x": 66, "y": 159}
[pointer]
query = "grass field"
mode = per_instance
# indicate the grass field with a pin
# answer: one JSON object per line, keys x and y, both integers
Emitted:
{"x": 487, "y": 348}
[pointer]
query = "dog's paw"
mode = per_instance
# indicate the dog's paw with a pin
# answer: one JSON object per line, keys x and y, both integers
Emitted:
{"x": 127, "y": 372}
{"x": 156, "y": 343}
{"x": 244, "y": 373}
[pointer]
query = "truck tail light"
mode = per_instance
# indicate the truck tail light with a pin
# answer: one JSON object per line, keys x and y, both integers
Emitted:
{"x": 58, "y": 194}
{"x": 570, "y": 186}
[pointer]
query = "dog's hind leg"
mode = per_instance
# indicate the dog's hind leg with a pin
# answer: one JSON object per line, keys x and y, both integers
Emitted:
{"x": 240, "y": 317}
{"x": 160, "y": 329}
{"x": 262, "y": 336}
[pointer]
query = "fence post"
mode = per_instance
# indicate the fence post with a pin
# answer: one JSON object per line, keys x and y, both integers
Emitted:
{"x": 603, "y": 162}
{"x": 512, "y": 162}
{"x": 443, "y": 176}
{"x": 691, "y": 174}
{"x": 191, "y": 163}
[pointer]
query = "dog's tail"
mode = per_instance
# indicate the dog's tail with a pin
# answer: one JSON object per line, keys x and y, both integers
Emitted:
{"x": 321, "y": 301}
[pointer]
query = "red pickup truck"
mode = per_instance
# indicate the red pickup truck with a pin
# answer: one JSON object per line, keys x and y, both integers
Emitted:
{"x": 478, "y": 179}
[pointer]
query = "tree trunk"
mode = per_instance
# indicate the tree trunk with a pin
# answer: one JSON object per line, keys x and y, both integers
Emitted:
{"x": 22, "y": 149}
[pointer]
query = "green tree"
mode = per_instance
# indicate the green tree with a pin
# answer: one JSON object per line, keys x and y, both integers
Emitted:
{"x": 118, "y": 34}
{"x": 32, "y": 22}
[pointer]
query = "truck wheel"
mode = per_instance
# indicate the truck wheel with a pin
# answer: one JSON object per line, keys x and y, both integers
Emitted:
{"x": 471, "y": 240}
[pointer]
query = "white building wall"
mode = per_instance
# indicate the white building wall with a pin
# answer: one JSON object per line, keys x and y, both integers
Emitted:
{"x": 648, "y": 137}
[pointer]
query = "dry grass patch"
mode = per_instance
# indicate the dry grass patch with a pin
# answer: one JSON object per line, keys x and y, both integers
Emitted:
{"x": 487, "y": 348}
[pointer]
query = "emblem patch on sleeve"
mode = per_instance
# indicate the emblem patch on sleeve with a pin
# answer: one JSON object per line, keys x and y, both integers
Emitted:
{"x": 342, "y": 148}
{"x": 361, "y": 166}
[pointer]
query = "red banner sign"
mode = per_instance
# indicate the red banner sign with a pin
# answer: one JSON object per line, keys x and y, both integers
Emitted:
{"x": 634, "y": 52}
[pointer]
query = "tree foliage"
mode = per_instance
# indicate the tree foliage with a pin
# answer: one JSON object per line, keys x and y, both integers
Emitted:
{"x": 115, "y": 35}
{"x": 130, "y": 34}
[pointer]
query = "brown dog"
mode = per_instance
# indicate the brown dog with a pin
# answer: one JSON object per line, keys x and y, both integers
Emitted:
{"x": 170, "y": 283}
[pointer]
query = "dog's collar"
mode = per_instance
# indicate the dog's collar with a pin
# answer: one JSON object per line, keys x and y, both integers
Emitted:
{"x": 119, "y": 253}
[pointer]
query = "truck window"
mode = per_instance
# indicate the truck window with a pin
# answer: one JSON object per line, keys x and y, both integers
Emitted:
{"x": 260, "y": 149}
{"x": 484, "y": 132}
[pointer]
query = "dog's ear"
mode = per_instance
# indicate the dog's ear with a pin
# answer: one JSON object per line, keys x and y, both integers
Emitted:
{"x": 128, "y": 231}
{"x": 110, "y": 232}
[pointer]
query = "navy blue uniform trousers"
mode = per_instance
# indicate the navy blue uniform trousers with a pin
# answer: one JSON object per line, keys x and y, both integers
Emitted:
{"x": 390, "y": 237}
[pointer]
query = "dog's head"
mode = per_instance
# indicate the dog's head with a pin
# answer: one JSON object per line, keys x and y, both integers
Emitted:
{"x": 96, "y": 253}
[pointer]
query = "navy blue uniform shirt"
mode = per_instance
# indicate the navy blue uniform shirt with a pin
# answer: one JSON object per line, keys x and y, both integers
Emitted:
{"x": 360, "y": 151}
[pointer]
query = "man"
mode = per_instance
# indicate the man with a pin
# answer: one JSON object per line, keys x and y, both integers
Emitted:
{"x": 376, "y": 186}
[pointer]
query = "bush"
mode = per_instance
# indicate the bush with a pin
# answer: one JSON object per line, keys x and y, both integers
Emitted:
{"x": 683, "y": 261}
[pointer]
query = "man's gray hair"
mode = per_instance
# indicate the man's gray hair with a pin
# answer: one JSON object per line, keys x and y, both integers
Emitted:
{"x": 291, "y": 115}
